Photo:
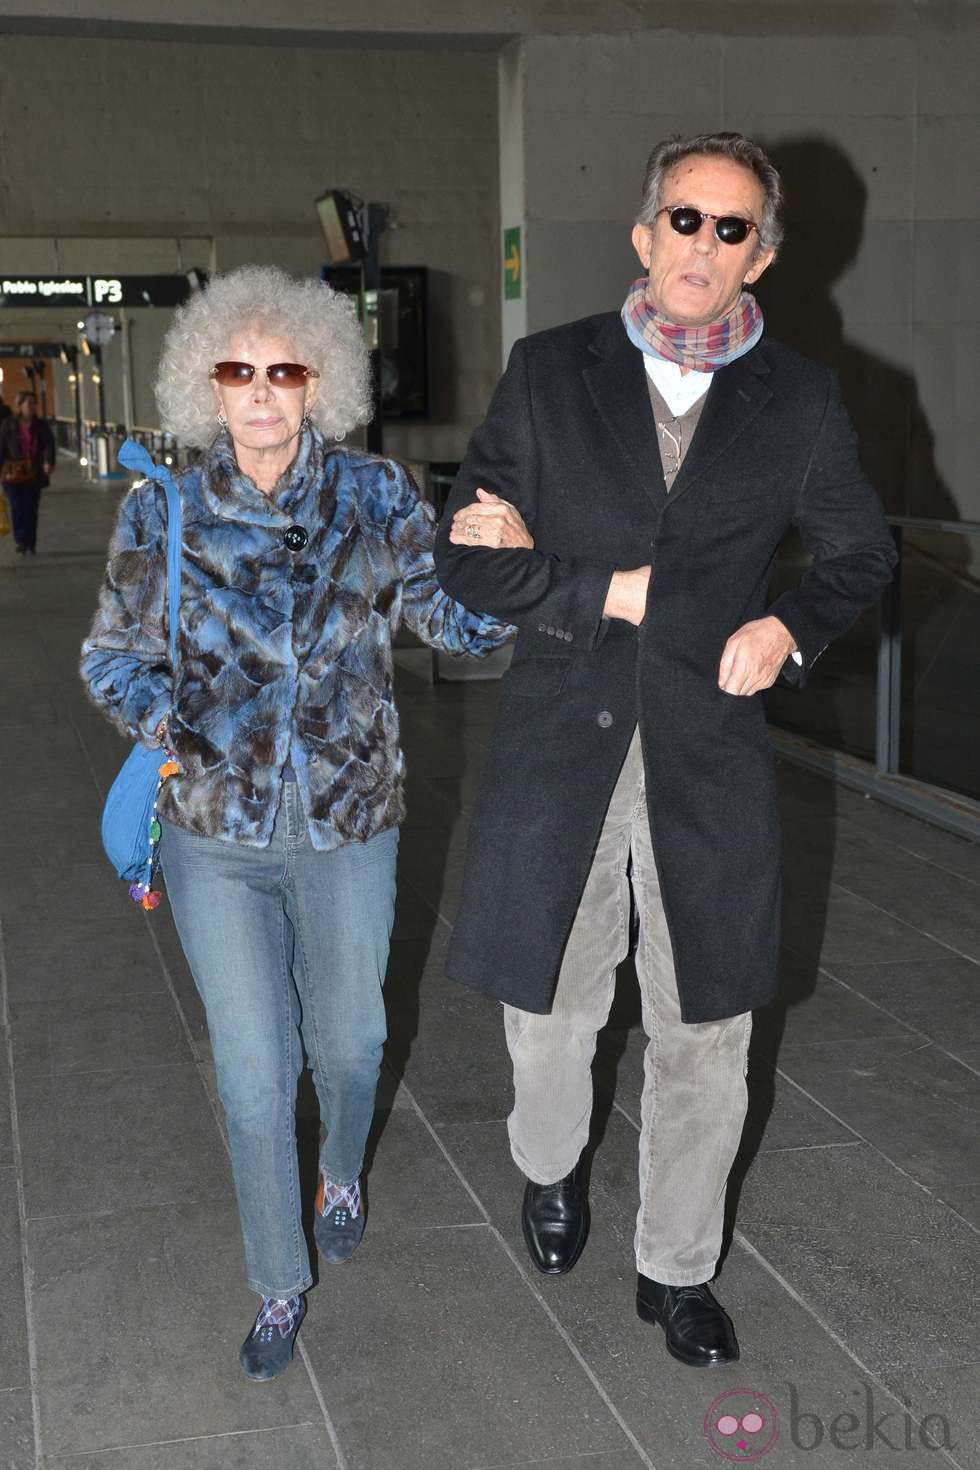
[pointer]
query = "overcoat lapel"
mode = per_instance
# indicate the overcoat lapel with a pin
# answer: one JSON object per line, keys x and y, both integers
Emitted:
{"x": 736, "y": 395}
{"x": 618, "y": 384}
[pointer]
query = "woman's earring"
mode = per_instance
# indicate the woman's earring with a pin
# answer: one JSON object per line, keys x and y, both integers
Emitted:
{"x": 306, "y": 419}
{"x": 341, "y": 434}
{"x": 222, "y": 421}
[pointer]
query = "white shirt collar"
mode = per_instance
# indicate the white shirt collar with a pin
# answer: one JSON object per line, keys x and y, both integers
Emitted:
{"x": 678, "y": 392}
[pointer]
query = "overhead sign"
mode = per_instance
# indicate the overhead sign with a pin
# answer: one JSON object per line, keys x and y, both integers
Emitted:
{"x": 62, "y": 291}
{"x": 30, "y": 349}
{"x": 43, "y": 291}
{"x": 513, "y": 263}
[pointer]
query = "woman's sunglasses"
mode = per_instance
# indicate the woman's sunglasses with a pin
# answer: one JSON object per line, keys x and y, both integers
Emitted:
{"x": 279, "y": 374}
{"x": 731, "y": 229}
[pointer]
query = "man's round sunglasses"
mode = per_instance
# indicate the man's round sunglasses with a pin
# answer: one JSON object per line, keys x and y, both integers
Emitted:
{"x": 279, "y": 374}
{"x": 731, "y": 229}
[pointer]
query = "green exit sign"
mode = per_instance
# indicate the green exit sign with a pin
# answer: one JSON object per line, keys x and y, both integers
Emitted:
{"x": 513, "y": 264}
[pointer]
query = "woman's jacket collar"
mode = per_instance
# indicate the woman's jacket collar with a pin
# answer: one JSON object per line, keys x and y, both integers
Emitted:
{"x": 228, "y": 493}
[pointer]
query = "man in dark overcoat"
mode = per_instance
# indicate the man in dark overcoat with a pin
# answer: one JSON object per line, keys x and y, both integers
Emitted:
{"x": 621, "y": 505}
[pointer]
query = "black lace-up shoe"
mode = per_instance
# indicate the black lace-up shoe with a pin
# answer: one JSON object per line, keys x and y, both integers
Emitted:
{"x": 555, "y": 1221}
{"x": 698, "y": 1329}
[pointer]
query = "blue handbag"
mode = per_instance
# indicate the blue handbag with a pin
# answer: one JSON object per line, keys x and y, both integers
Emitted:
{"x": 130, "y": 830}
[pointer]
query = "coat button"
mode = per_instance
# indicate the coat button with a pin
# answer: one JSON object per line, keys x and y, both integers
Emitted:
{"x": 295, "y": 538}
{"x": 550, "y": 630}
{"x": 568, "y": 637}
{"x": 541, "y": 627}
{"x": 605, "y": 719}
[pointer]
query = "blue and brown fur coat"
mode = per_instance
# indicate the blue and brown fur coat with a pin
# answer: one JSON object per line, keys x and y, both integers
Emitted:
{"x": 281, "y": 655}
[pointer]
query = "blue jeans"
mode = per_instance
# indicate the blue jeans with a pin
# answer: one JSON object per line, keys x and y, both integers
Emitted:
{"x": 286, "y": 944}
{"x": 25, "y": 501}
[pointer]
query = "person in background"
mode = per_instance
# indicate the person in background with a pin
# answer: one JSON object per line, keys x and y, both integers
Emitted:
{"x": 301, "y": 559}
{"x": 27, "y": 455}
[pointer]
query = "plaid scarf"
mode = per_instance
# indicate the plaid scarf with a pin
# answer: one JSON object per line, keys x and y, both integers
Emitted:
{"x": 702, "y": 348}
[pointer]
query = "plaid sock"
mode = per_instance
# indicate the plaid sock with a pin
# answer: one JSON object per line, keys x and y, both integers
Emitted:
{"x": 278, "y": 1311}
{"x": 346, "y": 1195}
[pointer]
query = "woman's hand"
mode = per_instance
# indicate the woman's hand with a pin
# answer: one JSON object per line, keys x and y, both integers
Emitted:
{"x": 491, "y": 522}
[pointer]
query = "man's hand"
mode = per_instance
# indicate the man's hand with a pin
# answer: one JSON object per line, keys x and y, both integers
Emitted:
{"x": 491, "y": 522}
{"x": 754, "y": 655}
{"x": 627, "y": 595}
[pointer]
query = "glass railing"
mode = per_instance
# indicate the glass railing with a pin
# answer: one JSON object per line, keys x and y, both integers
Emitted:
{"x": 97, "y": 444}
{"x": 901, "y": 690}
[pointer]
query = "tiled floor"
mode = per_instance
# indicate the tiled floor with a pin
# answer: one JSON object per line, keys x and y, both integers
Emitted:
{"x": 852, "y": 1271}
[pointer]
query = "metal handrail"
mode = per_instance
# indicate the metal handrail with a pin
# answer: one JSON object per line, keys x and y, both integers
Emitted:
{"x": 923, "y": 523}
{"x": 883, "y": 779}
{"x": 156, "y": 439}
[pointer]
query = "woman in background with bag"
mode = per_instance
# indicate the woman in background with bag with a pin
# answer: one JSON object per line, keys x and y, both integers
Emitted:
{"x": 27, "y": 455}
{"x": 300, "y": 560}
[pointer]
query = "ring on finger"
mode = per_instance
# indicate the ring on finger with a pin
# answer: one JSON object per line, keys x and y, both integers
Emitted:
{"x": 473, "y": 531}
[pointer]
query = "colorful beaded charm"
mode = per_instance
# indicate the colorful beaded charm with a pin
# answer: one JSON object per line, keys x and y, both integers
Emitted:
{"x": 143, "y": 893}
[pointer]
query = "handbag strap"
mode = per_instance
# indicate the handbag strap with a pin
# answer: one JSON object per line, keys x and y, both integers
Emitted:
{"x": 136, "y": 456}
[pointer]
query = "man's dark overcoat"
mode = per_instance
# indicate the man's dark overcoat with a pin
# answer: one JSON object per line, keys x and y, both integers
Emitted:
{"x": 570, "y": 439}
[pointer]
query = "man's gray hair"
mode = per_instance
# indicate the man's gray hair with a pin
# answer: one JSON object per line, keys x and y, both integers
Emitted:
{"x": 739, "y": 149}
{"x": 319, "y": 324}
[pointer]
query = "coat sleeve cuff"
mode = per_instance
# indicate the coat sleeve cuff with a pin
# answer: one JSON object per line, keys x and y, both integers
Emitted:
{"x": 795, "y": 671}
{"x": 573, "y": 611}
{"x": 591, "y": 593}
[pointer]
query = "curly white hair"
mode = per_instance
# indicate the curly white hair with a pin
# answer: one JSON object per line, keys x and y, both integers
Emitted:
{"x": 320, "y": 324}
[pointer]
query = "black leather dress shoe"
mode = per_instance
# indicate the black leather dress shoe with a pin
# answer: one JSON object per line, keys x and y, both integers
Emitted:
{"x": 699, "y": 1331}
{"x": 555, "y": 1221}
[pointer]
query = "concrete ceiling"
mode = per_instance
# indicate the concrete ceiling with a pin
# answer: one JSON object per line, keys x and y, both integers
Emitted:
{"x": 465, "y": 24}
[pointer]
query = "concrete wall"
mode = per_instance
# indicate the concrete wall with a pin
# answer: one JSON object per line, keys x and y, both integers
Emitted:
{"x": 513, "y": 183}
{"x": 878, "y": 136}
{"x": 151, "y": 141}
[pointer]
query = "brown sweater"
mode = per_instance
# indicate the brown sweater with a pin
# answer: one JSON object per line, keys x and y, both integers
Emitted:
{"x": 674, "y": 435}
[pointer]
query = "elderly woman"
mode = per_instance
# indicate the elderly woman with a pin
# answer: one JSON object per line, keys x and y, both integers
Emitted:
{"x": 301, "y": 558}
